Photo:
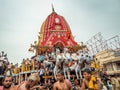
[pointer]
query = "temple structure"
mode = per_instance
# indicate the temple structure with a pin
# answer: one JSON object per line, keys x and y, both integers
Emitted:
{"x": 55, "y": 32}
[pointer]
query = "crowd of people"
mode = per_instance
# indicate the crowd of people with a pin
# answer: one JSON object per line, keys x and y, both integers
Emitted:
{"x": 4, "y": 63}
{"x": 57, "y": 70}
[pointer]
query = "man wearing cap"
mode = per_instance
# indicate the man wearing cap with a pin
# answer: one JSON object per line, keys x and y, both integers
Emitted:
{"x": 31, "y": 82}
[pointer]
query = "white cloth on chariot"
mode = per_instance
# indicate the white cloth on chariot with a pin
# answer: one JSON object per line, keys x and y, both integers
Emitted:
{"x": 68, "y": 56}
{"x": 74, "y": 56}
{"x": 65, "y": 49}
{"x": 46, "y": 63}
{"x": 52, "y": 55}
{"x": 58, "y": 59}
{"x": 42, "y": 71}
{"x": 81, "y": 57}
{"x": 63, "y": 56}
{"x": 57, "y": 51}
{"x": 73, "y": 66}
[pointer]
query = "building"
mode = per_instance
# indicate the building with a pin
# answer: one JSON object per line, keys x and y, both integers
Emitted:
{"x": 110, "y": 60}
{"x": 106, "y": 51}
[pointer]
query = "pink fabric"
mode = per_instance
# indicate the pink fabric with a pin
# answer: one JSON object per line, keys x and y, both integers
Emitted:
{"x": 1, "y": 87}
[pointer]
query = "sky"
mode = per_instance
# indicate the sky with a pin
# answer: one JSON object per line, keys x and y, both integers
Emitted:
{"x": 21, "y": 20}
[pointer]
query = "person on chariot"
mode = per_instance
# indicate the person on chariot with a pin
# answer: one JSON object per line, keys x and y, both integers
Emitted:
{"x": 27, "y": 64}
{"x": 23, "y": 65}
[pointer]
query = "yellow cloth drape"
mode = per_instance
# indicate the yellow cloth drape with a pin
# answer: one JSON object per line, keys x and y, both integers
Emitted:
{"x": 33, "y": 65}
{"x": 23, "y": 68}
{"x": 27, "y": 68}
{"x": 15, "y": 70}
{"x": 93, "y": 83}
{"x": 96, "y": 65}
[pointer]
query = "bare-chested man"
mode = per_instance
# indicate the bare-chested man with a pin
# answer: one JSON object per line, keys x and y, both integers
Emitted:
{"x": 7, "y": 83}
{"x": 62, "y": 84}
{"x": 31, "y": 82}
{"x": 89, "y": 82}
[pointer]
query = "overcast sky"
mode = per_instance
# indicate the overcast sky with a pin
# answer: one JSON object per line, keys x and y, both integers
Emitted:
{"x": 20, "y": 21}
